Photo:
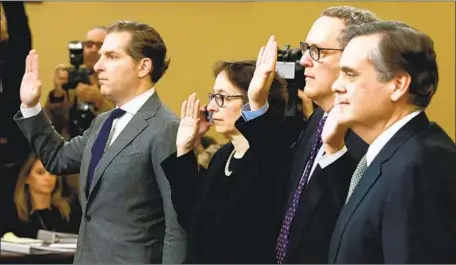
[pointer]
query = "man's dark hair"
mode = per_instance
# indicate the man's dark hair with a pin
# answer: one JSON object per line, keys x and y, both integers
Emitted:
{"x": 402, "y": 49}
{"x": 145, "y": 42}
{"x": 240, "y": 73}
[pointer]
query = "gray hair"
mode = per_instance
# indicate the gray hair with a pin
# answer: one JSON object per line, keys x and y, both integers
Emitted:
{"x": 402, "y": 48}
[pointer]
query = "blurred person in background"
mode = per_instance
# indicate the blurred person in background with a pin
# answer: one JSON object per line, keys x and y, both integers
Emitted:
{"x": 40, "y": 204}
{"x": 79, "y": 105}
{"x": 57, "y": 107}
{"x": 15, "y": 43}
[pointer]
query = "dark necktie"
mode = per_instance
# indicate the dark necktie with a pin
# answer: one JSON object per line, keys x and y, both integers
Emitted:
{"x": 282, "y": 242}
{"x": 100, "y": 143}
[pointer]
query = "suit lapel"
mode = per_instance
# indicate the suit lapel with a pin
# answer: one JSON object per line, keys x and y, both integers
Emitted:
{"x": 371, "y": 175}
{"x": 309, "y": 197}
{"x": 87, "y": 155}
{"x": 136, "y": 125}
{"x": 303, "y": 152}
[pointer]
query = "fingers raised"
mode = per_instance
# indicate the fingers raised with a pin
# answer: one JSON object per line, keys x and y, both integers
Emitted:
{"x": 260, "y": 56}
{"x": 190, "y": 103}
{"x": 183, "y": 109}
{"x": 196, "y": 109}
{"x": 28, "y": 62}
{"x": 35, "y": 64}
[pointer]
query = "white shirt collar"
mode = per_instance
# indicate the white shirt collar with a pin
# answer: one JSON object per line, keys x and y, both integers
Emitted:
{"x": 385, "y": 136}
{"x": 133, "y": 106}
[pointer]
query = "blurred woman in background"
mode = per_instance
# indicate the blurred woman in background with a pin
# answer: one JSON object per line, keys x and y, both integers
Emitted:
{"x": 39, "y": 202}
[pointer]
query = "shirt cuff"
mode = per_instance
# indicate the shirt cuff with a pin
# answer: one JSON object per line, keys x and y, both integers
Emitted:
{"x": 327, "y": 160}
{"x": 30, "y": 112}
{"x": 248, "y": 115}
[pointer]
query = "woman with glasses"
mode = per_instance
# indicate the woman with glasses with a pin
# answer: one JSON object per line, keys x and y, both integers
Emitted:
{"x": 232, "y": 212}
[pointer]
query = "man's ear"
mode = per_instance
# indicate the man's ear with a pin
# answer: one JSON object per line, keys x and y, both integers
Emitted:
{"x": 145, "y": 67}
{"x": 400, "y": 85}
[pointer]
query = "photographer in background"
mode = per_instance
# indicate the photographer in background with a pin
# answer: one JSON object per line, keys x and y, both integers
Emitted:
{"x": 77, "y": 105}
{"x": 15, "y": 43}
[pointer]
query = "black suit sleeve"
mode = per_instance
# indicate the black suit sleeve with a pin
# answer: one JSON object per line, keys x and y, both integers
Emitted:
{"x": 418, "y": 223}
{"x": 338, "y": 176}
{"x": 265, "y": 139}
{"x": 185, "y": 180}
{"x": 270, "y": 147}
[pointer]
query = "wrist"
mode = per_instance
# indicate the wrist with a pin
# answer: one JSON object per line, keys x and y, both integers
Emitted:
{"x": 181, "y": 150}
{"x": 256, "y": 104}
{"x": 332, "y": 148}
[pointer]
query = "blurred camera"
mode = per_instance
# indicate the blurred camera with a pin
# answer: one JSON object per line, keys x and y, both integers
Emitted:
{"x": 76, "y": 74}
{"x": 82, "y": 113}
{"x": 289, "y": 68}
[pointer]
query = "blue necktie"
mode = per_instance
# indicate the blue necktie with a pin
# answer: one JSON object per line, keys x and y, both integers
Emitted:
{"x": 100, "y": 143}
{"x": 282, "y": 242}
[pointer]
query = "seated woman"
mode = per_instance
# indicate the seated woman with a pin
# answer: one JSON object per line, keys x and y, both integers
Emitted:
{"x": 232, "y": 211}
{"x": 39, "y": 202}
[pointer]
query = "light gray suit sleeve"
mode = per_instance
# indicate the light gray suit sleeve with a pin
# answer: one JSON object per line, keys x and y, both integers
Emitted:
{"x": 59, "y": 157}
{"x": 175, "y": 242}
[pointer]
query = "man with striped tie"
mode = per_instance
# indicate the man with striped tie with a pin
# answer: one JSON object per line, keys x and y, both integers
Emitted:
{"x": 321, "y": 167}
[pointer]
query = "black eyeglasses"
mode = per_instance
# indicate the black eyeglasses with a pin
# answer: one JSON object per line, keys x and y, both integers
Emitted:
{"x": 314, "y": 50}
{"x": 220, "y": 99}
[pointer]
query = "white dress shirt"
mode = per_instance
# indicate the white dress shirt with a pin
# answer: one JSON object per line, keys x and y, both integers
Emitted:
{"x": 131, "y": 108}
{"x": 325, "y": 160}
{"x": 385, "y": 136}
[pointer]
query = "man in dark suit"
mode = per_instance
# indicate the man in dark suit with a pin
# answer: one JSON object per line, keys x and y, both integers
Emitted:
{"x": 124, "y": 194}
{"x": 401, "y": 204}
{"x": 320, "y": 176}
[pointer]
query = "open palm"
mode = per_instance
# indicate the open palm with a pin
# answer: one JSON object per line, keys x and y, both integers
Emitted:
{"x": 30, "y": 91}
{"x": 264, "y": 72}
{"x": 189, "y": 125}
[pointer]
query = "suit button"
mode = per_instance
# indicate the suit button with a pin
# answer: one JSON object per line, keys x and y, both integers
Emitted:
{"x": 87, "y": 218}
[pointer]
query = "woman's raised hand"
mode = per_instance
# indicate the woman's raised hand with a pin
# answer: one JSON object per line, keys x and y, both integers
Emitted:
{"x": 189, "y": 125}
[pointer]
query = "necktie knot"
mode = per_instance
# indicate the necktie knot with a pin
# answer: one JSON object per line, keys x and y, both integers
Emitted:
{"x": 116, "y": 113}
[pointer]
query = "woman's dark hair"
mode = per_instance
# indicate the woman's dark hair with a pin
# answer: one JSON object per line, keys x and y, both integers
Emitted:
{"x": 240, "y": 73}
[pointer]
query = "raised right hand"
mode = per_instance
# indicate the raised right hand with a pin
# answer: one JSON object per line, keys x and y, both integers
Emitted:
{"x": 189, "y": 125}
{"x": 31, "y": 84}
{"x": 334, "y": 131}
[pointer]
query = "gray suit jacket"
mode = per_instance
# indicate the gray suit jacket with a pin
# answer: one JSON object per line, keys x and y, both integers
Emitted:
{"x": 128, "y": 216}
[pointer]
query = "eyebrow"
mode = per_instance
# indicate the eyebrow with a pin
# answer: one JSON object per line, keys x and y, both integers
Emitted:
{"x": 220, "y": 90}
{"x": 347, "y": 69}
{"x": 108, "y": 52}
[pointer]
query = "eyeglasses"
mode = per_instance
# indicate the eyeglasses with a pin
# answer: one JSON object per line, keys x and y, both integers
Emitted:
{"x": 220, "y": 99}
{"x": 314, "y": 50}
{"x": 89, "y": 44}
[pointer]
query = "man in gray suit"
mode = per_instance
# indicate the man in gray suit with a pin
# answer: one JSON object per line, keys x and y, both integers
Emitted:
{"x": 128, "y": 216}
